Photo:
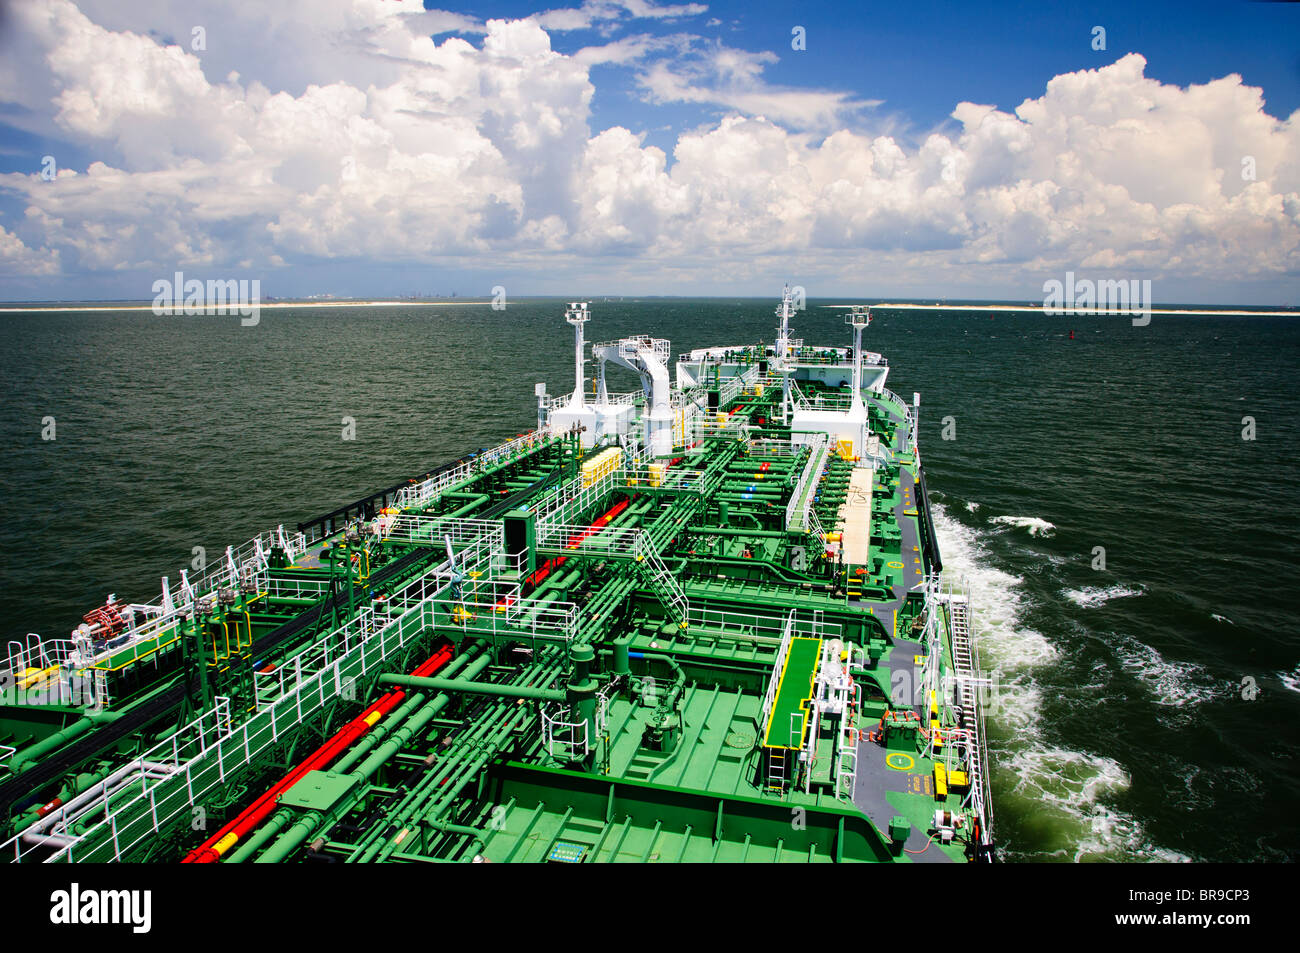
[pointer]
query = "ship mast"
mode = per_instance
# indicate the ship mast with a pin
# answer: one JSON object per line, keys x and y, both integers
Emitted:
{"x": 859, "y": 318}
{"x": 785, "y": 312}
{"x": 577, "y": 315}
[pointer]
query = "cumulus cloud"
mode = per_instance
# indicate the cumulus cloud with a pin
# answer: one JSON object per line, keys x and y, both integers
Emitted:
{"x": 433, "y": 136}
{"x": 602, "y": 13}
{"x": 732, "y": 79}
{"x": 16, "y": 259}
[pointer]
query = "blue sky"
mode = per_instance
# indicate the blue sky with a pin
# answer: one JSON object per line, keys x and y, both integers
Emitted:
{"x": 369, "y": 148}
{"x": 921, "y": 58}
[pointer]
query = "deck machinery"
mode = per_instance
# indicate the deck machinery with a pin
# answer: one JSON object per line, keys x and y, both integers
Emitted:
{"x": 700, "y": 621}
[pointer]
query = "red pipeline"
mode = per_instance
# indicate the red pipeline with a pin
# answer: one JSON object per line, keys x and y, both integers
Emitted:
{"x": 220, "y": 843}
{"x": 574, "y": 541}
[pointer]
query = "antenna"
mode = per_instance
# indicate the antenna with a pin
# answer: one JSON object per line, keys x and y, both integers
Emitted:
{"x": 577, "y": 315}
{"x": 858, "y": 318}
{"x": 785, "y": 312}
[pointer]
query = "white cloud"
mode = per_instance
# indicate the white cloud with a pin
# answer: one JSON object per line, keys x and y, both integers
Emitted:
{"x": 628, "y": 49}
{"x": 16, "y": 259}
{"x": 601, "y": 13}
{"x": 718, "y": 75}
{"x": 420, "y": 149}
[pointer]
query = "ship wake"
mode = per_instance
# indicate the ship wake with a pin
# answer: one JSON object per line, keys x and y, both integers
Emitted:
{"x": 1061, "y": 795}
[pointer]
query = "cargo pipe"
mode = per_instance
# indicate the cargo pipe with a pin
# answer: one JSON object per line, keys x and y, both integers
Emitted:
{"x": 293, "y": 838}
{"x": 220, "y": 843}
{"x": 475, "y": 688}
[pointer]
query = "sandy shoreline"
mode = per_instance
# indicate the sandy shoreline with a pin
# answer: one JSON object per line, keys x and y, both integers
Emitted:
{"x": 264, "y": 306}
{"x": 1086, "y": 314}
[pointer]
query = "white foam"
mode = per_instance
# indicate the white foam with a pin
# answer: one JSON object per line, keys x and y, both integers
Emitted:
{"x": 971, "y": 506}
{"x": 996, "y": 597}
{"x": 1070, "y": 786}
{"x": 1221, "y": 618}
{"x": 1066, "y": 785}
{"x": 1036, "y": 526}
{"x": 1095, "y": 596}
{"x": 1172, "y": 684}
{"x": 1291, "y": 679}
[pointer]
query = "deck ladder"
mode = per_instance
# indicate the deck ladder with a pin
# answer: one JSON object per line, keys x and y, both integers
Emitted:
{"x": 663, "y": 582}
{"x": 968, "y": 682}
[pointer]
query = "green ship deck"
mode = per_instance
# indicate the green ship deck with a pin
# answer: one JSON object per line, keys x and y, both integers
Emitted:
{"x": 627, "y": 635}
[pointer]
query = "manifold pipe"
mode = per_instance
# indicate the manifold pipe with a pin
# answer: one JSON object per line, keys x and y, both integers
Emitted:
{"x": 272, "y": 826}
{"x": 110, "y": 784}
{"x": 489, "y": 731}
{"x": 475, "y": 688}
{"x": 446, "y": 796}
{"x": 400, "y": 714}
{"x": 462, "y": 749}
{"x": 293, "y": 838}
{"x": 18, "y": 762}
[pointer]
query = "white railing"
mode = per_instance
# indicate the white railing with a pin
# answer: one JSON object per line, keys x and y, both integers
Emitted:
{"x": 661, "y": 580}
{"x": 630, "y": 348}
{"x": 612, "y": 540}
{"x": 421, "y": 494}
{"x": 814, "y": 524}
{"x": 35, "y": 652}
{"x": 760, "y": 627}
{"x": 775, "y": 448}
{"x": 416, "y": 529}
{"x": 509, "y": 449}
{"x": 676, "y": 479}
{"x": 801, "y": 499}
{"x": 568, "y": 502}
{"x": 891, "y": 396}
{"x": 969, "y": 681}
{"x": 297, "y": 588}
{"x": 774, "y": 680}
{"x": 211, "y": 748}
{"x": 824, "y": 401}
{"x": 733, "y": 388}
{"x": 151, "y": 623}
{"x": 803, "y": 355}
{"x": 706, "y": 425}
{"x": 565, "y": 734}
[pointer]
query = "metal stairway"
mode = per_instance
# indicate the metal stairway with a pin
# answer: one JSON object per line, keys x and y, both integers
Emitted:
{"x": 968, "y": 682}
{"x": 800, "y": 506}
{"x": 661, "y": 581}
{"x": 959, "y": 614}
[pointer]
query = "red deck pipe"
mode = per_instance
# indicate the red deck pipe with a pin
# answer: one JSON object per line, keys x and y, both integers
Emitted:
{"x": 556, "y": 562}
{"x": 220, "y": 843}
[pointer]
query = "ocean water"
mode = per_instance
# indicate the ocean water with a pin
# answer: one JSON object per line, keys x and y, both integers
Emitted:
{"x": 1142, "y": 711}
